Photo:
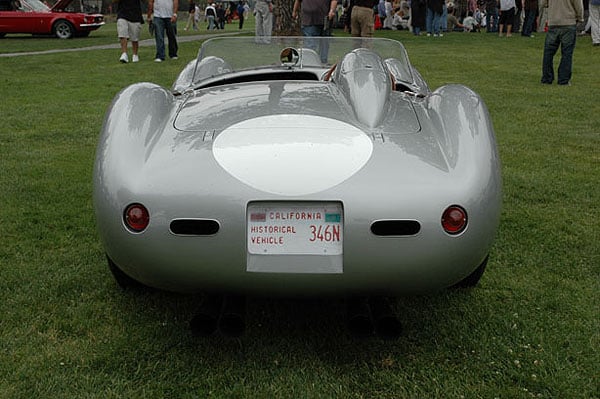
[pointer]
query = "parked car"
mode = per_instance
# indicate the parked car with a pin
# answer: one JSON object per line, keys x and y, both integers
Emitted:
{"x": 298, "y": 166}
{"x": 35, "y": 17}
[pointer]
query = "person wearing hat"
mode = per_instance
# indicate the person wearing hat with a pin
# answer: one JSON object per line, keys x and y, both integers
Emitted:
{"x": 453, "y": 22}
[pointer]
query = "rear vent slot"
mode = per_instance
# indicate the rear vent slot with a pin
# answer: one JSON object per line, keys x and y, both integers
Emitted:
{"x": 194, "y": 227}
{"x": 395, "y": 227}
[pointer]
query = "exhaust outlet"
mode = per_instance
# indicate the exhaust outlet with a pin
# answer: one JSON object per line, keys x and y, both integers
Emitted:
{"x": 387, "y": 325}
{"x": 205, "y": 321}
{"x": 360, "y": 323}
{"x": 233, "y": 318}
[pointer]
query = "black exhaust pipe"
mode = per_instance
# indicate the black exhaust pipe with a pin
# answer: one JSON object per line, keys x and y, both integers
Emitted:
{"x": 205, "y": 321}
{"x": 387, "y": 325}
{"x": 359, "y": 320}
{"x": 233, "y": 318}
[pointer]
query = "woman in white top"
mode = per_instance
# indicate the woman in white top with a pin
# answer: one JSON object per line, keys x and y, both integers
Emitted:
{"x": 507, "y": 15}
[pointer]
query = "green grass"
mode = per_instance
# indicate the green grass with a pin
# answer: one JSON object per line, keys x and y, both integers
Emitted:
{"x": 530, "y": 329}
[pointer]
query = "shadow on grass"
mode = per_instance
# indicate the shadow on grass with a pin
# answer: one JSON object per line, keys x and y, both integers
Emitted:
{"x": 296, "y": 327}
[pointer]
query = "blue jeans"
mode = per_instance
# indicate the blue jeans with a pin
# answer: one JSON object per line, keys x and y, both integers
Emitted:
{"x": 211, "y": 22}
{"x": 429, "y": 20}
{"x": 563, "y": 37}
{"x": 437, "y": 23}
{"x": 322, "y": 47}
{"x": 162, "y": 25}
{"x": 433, "y": 22}
{"x": 444, "y": 20}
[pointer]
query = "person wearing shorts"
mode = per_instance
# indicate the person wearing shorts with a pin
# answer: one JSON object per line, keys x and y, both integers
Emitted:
{"x": 507, "y": 15}
{"x": 129, "y": 26}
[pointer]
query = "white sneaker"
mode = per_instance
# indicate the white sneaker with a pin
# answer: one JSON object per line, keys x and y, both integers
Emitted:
{"x": 135, "y": 58}
{"x": 175, "y": 58}
{"x": 124, "y": 59}
{"x": 157, "y": 60}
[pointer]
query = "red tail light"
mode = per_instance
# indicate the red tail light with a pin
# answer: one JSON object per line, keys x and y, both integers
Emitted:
{"x": 136, "y": 217}
{"x": 454, "y": 219}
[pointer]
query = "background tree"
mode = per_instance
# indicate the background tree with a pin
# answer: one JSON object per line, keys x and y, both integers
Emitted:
{"x": 284, "y": 24}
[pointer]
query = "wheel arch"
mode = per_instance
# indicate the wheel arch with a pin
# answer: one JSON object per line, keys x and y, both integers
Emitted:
{"x": 460, "y": 122}
{"x": 55, "y": 25}
{"x": 132, "y": 126}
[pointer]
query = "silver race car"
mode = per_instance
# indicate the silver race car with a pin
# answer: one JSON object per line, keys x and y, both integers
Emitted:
{"x": 298, "y": 166}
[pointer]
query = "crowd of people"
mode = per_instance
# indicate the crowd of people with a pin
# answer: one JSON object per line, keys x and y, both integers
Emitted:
{"x": 216, "y": 15}
{"x": 436, "y": 17}
{"x": 559, "y": 18}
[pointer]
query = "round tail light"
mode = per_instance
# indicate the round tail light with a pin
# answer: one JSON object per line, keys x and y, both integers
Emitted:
{"x": 454, "y": 219}
{"x": 136, "y": 217}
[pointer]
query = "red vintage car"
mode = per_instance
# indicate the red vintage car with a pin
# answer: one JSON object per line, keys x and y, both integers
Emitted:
{"x": 35, "y": 17}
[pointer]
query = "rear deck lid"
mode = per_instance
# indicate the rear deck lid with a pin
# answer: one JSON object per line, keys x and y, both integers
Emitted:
{"x": 219, "y": 107}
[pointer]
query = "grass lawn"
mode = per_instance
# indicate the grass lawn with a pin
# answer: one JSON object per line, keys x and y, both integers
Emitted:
{"x": 529, "y": 330}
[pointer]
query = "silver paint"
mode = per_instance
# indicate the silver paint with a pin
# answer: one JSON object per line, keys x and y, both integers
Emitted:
{"x": 429, "y": 150}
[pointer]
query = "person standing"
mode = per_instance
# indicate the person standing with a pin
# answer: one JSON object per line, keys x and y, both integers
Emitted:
{"x": 129, "y": 26}
{"x": 240, "y": 12}
{"x": 594, "y": 19}
{"x": 491, "y": 16}
{"x": 563, "y": 16}
{"x": 435, "y": 8}
{"x": 516, "y": 25}
{"x": 317, "y": 19}
{"x": 210, "y": 15}
{"x": 417, "y": 16}
{"x": 197, "y": 16}
{"x": 381, "y": 11}
{"x": 263, "y": 11}
{"x": 389, "y": 12}
{"x": 542, "y": 18}
{"x": 362, "y": 19}
{"x": 507, "y": 16}
{"x": 164, "y": 20}
{"x": 530, "y": 8}
{"x": 191, "y": 16}
{"x": 220, "y": 16}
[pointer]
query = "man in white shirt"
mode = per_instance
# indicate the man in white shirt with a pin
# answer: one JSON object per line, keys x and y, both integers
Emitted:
{"x": 164, "y": 20}
{"x": 210, "y": 15}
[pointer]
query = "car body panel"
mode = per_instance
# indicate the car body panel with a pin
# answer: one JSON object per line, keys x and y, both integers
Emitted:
{"x": 36, "y": 18}
{"x": 205, "y": 151}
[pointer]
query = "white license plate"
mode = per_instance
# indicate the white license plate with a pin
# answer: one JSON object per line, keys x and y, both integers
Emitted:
{"x": 309, "y": 228}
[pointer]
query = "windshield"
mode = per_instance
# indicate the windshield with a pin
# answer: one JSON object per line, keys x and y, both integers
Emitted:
{"x": 227, "y": 55}
{"x": 36, "y": 5}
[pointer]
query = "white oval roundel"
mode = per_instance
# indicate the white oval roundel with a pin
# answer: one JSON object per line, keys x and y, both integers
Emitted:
{"x": 292, "y": 154}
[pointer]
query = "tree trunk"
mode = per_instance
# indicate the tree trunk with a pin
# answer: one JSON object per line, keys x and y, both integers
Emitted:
{"x": 283, "y": 23}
